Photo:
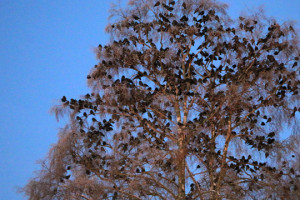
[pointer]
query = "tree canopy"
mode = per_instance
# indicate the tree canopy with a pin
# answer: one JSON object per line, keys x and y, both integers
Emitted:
{"x": 185, "y": 103}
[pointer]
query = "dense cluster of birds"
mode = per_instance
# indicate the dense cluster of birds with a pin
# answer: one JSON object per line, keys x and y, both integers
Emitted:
{"x": 218, "y": 74}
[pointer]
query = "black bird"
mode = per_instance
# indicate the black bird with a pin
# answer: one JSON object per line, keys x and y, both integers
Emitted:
{"x": 157, "y": 4}
{"x": 67, "y": 177}
{"x": 172, "y": 3}
{"x": 63, "y": 99}
{"x": 184, "y": 19}
{"x": 135, "y": 17}
{"x": 272, "y": 134}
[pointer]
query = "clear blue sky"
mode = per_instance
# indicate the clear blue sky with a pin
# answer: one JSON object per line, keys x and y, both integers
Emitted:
{"x": 45, "y": 53}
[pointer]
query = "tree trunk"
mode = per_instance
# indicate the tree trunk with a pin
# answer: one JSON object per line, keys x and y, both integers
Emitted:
{"x": 181, "y": 170}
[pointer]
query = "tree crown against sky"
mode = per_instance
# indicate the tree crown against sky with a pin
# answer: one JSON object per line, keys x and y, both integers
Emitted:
{"x": 185, "y": 104}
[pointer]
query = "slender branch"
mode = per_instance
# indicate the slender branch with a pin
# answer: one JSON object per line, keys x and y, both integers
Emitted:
{"x": 128, "y": 194}
{"x": 223, "y": 162}
{"x": 194, "y": 180}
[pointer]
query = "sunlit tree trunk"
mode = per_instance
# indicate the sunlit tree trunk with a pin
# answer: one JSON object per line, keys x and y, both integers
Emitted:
{"x": 181, "y": 169}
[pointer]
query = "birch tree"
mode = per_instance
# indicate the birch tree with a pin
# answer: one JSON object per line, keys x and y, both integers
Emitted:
{"x": 185, "y": 103}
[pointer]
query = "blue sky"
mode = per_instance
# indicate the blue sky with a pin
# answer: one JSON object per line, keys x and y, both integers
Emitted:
{"x": 46, "y": 51}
